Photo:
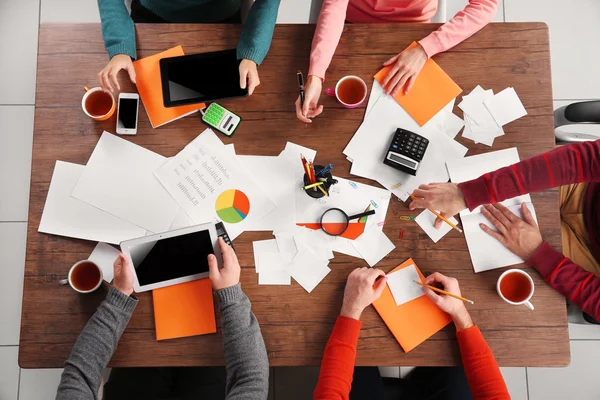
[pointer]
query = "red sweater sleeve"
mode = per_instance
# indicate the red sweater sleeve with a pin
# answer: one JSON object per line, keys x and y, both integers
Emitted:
{"x": 568, "y": 164}
{"x": 484, "y": 377}
{"x": 337, "y": 367}
{"x": 570, "y": 279}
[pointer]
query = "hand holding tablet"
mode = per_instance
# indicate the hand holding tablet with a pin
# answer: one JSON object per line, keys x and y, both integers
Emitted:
{"x": 229, "y": 275}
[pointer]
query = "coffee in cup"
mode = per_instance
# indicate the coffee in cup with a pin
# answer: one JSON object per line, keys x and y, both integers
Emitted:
{"x": 516, "y": 287}
{"x": 98, "y": 104}
{"x": 84, "y": 277}
{"x": 350, "y": 91}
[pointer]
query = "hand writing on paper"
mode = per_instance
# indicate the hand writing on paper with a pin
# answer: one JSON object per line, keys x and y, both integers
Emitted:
{"x": 229, "y": 275}
{"x": 311, "y": 108}
{"x": 521, "y": 236}
{"x": 445, "y": 197}
{"x": 123, "y": 279}
{"x": 361, "y": 291}
{"x": 108, "y": 76}
{"x": 249, "y": 73}
{"x": 405, "y": 69}
{"x": 454, "y": 307}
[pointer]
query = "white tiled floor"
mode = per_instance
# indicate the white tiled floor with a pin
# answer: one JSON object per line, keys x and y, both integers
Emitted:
{"x": 574, "y": 30}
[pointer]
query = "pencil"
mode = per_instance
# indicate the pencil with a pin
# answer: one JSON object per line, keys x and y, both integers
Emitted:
{"x": 312, "y": 185}
{"x": 444, "y": 292}
{"x": 323, "y": 190}
{"x": 440, "y": 216}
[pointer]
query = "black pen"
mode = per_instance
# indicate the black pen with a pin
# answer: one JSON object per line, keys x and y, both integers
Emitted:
{"x": 301, "y": 91}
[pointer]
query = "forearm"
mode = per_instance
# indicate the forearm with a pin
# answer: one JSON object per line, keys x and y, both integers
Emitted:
{"x": 569, "y": 279}
{"x": 463, "y": 25}
{"x": 95, "y": 346}
{"x": 245, "y": 353}
{"x": 482, "y": 371}
{"x": 337, "y": 367}
{"x": 258, "y": 31}
{"x": 118, "y": 30}
{"x": 327, "y": 36}
{"x": 562, "y": 166}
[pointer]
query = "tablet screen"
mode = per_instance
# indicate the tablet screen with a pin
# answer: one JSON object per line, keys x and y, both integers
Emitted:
{"x": 171, "y": 258}
{"x": 201, "y": 77}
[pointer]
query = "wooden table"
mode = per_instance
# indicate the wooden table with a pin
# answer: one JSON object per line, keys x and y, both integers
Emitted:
{"x": 295, "y": 324}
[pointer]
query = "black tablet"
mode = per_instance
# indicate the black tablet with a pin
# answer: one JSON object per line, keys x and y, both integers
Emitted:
{"x": 200, "y": 78}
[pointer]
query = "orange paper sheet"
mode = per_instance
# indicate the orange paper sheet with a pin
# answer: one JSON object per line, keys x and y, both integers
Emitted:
{"x": 432, "y": 90}
{"x": 184, "y": 310}
{"x": 149, "y": 85}
{"x": 353, "y": 231}
{"x": 414, "y": 322}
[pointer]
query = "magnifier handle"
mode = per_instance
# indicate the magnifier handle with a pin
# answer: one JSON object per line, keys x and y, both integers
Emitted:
{"x": 370, "y": 212}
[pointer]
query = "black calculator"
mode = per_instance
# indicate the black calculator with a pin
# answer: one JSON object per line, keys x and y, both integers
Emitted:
{"x": 222, "y": 232}
{"x": 406, "y": 151}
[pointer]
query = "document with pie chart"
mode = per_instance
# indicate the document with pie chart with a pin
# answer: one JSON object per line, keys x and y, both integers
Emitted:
{"x": 210, "y": 184}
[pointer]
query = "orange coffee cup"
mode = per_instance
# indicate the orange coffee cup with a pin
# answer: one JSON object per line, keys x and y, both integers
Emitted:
{"x": 98, "y": 104}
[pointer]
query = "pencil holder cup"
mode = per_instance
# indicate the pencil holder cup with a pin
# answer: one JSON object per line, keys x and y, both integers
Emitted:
{"x": 316, "y": 193}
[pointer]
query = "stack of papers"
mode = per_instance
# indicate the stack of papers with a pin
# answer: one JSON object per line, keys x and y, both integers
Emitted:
{"x": 486, "y": 252}
{"x": 370, "y": 144}
{"x": 485, "y": 113}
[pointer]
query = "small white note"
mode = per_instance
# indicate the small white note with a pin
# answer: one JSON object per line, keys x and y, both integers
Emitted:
{"x": 373, "y": 245}
{"x": 308, "y": 270}
{"x": 104, "y": 255}
{"x": 263, "y": 246}
{"x": 426, "y": 219}
{"x": 274, "y": 269}
{"x": 402, "y": 285}
{"x": 505, "y": 106}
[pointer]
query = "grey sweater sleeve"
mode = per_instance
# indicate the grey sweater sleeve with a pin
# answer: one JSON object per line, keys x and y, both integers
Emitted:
{"x": 95, "y": 346}
{"x": 245, "y": 353}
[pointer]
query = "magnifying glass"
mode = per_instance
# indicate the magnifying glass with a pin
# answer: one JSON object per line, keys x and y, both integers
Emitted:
{"x": 334, "y": 221}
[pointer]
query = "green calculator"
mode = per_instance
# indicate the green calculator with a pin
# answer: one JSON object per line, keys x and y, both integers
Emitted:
{"x": 221, "y": 119}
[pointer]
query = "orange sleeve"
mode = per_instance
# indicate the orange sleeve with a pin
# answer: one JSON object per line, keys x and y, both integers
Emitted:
{"x": 484, "y": 377}
{"x": 337, "y": 367}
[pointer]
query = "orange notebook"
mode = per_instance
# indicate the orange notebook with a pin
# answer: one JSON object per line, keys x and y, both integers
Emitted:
{"x": 432, "y": 90}
{"x": 184, "y": 310}
{"x": 414, "y": 322}
{"x": 149, "y": 85}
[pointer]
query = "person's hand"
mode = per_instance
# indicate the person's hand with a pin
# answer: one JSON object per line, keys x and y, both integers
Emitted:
{"x": 108, "y": 76}
{"x": 447, "y": 198}
{"x": 454, "y": 307}
{"x": 249, "y": 73}
{"x": 311, "y": 108}
{"x": 406, "y": 68}
{"x": 229, "y": 275}
{"x": 123, "y": 279}
{"x": 360, "y": 291}
{"x": 521, "y": 236}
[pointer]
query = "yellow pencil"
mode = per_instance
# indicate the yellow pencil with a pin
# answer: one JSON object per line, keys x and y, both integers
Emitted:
{"x": 312, "y": 185}
{"x": 437, "y": 214}
{"x": 444, "y": 292}
{"x": 323, "y": 190}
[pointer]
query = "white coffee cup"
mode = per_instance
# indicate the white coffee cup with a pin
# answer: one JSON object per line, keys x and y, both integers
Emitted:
{"x": 520, "y": 279}
{"x": 85, "y": 276}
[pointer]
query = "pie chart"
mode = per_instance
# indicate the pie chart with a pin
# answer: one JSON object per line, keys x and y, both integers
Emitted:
{"x": 232, "y": 206}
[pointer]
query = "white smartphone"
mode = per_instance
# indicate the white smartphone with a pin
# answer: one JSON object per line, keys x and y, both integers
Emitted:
{"x": 127, "y": 113}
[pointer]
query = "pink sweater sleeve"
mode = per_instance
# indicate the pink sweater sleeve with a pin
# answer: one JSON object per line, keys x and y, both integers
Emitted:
{"x": 463, "y": 25}
{"x": 327, "y": 36}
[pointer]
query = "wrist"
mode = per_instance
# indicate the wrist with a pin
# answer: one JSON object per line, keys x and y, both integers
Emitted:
{"x": 313, "y": 79}
{"x": 462, "y": 319}
{"x": 351, "y": 312}
{"x": 126, "y": 292}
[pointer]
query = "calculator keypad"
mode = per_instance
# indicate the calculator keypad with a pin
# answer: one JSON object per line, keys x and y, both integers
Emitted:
{"x": 214, "y": 114}
{"x": 409, "y": 144}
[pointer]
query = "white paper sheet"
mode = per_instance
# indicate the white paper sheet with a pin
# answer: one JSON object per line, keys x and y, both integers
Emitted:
{"x": 402, "y": 285}
{"x": 426, "y": 219}
{"x": 285, "y": 243}
{"x": 263, "y": 246}
{"x": 66, "y": 216}
{"x": 453, "y": 125}
{"x": 376, "y": 92}
{"x": 486, "y": 252}
{"x": 274, "y": 269}
{"x": 119, "y": 179}
{"x": 472, "y": 105}
{"x": 104, "y": 255}
{"x": 373, "y": 245}
{"x": 308, "y": 270}
{"x": 505, "y": 106}
{"x": 203, "y": 171}
{"x": 181, "y": 221}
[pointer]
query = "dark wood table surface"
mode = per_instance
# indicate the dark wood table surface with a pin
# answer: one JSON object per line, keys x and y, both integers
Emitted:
{"x": 295, "y": 324}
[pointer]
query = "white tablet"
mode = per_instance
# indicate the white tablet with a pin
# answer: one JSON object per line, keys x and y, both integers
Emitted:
{"x": 169, "y": 258}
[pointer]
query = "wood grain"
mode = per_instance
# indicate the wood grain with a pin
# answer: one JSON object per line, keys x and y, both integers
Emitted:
{"x": 295, "y": 324}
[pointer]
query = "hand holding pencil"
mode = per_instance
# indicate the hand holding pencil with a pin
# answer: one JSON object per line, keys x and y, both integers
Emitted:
{"x": 449, "y": 301}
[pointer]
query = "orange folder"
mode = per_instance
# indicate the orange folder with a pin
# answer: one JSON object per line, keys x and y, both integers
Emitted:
{"x": 414, "y": 322}
{"x": 432, "y": 90}
{"x": 184, "y": 310}
{"x": 149, "y": 85}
